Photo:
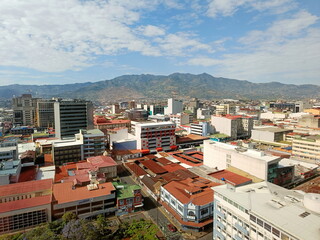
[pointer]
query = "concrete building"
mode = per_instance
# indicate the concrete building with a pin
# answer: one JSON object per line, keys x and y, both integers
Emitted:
{"x": 155, "y": 136}
{"x": 103, "y": 124}
{"x": 72, "y": 115}
{"x": 310, "y": 121}
{"x": 8, "y": 152}
{"x": 24, "y": 110}
{"x": 265, "y": 211}
{"x": 201, "y": 128}
{"x": 94, "y": 142}
{"x": 25, "y": 205}
{"x": 180, "y": 118}
{"x": 86, "y": 201}
{"x": 224, "y": 109}
{"x": 221, "y": 155}
{"x": 45, "y": 113}
{"x": 9, "y": 171}
{"x": 235, "y": 126}
{"x": 156, "y": 109}
{"x": 203, "y": 113}
{"x": 174, "y": 106}
{"x": 269, "y": 134}
{"x": 136, "y": 114}
{"x": 306, "y": 148}
{"x": 67, "y": 151}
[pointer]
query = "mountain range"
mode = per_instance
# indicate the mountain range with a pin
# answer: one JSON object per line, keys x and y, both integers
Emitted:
{"x": 203, "y": 86}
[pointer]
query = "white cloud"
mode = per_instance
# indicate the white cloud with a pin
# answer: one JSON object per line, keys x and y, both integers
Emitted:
{"x": 282, "y": 29}
{"x": 289, "y": 50}
{"x": 229, "y": 7}
{"x": 181, "y": 44}
{"x": 152, "y": 31}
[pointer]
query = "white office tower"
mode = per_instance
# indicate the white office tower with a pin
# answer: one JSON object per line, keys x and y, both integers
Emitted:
{"x": 72, "y": 115}
{"x": 265, "y": 211}
{"x": 174, "y": 106}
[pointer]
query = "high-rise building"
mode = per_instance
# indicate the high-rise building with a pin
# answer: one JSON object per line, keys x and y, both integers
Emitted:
{"x": 72, "y": 115}
{"x": 306, "y": 148}
{"x": 24, "y": 109}
{"x": 45, "y": 113}
{"x": 265, "y": 211}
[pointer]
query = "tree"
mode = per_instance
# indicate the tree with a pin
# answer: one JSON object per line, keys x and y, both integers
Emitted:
{"x": 80, "y": 229}
{"x": 68, "y": 216}
{"x": 103, "y": 227}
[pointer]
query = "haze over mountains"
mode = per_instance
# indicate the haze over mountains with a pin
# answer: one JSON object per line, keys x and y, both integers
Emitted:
{"x": 202, "y": 86}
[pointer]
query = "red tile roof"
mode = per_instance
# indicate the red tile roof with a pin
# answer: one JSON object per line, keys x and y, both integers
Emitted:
{"x": 153, "y": 166}
{"x": 163, "y": 161}
{"x": 179, "y": 190}
{"x": 25, "y": 187}
{"x": 173, "y": 167}
{"x": 138, "y": 171}
{"x": 101, "y": 161}
{"x": 230, "y": 177}
{"x": 25, "y": 203}
{"x": 63, "y": 192}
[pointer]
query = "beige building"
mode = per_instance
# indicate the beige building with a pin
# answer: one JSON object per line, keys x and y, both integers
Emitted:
{"x": 307, "y": 148}
{"x": 25, "y": 205}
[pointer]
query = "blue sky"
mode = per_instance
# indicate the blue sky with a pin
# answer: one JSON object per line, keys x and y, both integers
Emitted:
{"x": 55, "y": 42}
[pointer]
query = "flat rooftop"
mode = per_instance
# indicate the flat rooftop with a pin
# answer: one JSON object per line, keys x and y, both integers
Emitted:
{"x": 272, "y": 129}
{"x": 284, "y": 208}
{"x": 63, "y": 192}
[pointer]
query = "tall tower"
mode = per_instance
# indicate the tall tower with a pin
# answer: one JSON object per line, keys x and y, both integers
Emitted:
{"x": 72, "y": 115}
{"x": 24, "y": 109}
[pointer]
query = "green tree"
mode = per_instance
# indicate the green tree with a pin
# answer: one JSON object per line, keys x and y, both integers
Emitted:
{"x": 68, "y": 216}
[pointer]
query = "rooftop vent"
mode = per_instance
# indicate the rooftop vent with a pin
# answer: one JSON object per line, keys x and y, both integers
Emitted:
{"x": 303, "y": 215}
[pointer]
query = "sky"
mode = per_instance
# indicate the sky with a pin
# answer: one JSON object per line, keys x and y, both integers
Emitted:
{"x": 69, "y": 41}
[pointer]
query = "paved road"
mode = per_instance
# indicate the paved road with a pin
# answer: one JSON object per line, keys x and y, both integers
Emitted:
{"x": 151, "y": 206}
{"x": 153, "y": 209}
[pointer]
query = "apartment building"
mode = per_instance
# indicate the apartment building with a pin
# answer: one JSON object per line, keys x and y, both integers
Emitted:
{"x": 24, "y": 110}
{"x": 155, "y": 136}
{"x": 221, "y": 155}
{"x": 310, "y": 121}
{"x": 72, "y": 115}
{"x": 306, "y": 148}
{"x": 25, "y": 205}
{"x": 235, "y": 126}
{"x": 85, "y": 201}
{"x": 94, "y": 142}
{"x": 190, "y": 201}
{"x": 265, "y": 211}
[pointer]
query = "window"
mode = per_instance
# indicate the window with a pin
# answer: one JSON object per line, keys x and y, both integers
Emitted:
{"x": 267, "y": 227}
{"x": 180, "y": 208}
{"x": 204, "y": 211}
{"x": 173, "y": 202}
{"x": 191, "y": 213}
{"x": 284, "y": 236}
{"x": 260, "y": 222}
{"x": 276, "y": 232}
{"x": 253, "y": 218}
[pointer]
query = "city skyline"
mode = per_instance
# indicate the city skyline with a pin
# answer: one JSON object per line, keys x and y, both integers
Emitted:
{"x": 88, "y": 41}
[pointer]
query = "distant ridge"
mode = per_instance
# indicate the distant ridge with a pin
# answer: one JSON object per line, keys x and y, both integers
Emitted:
{"x": 203, "y": 86}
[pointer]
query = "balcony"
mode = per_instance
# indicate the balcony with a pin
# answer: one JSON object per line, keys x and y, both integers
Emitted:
{"x": 221, "y": 214}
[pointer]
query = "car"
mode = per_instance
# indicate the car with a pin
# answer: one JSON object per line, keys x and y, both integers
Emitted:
{"x": 172, "y": 228}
